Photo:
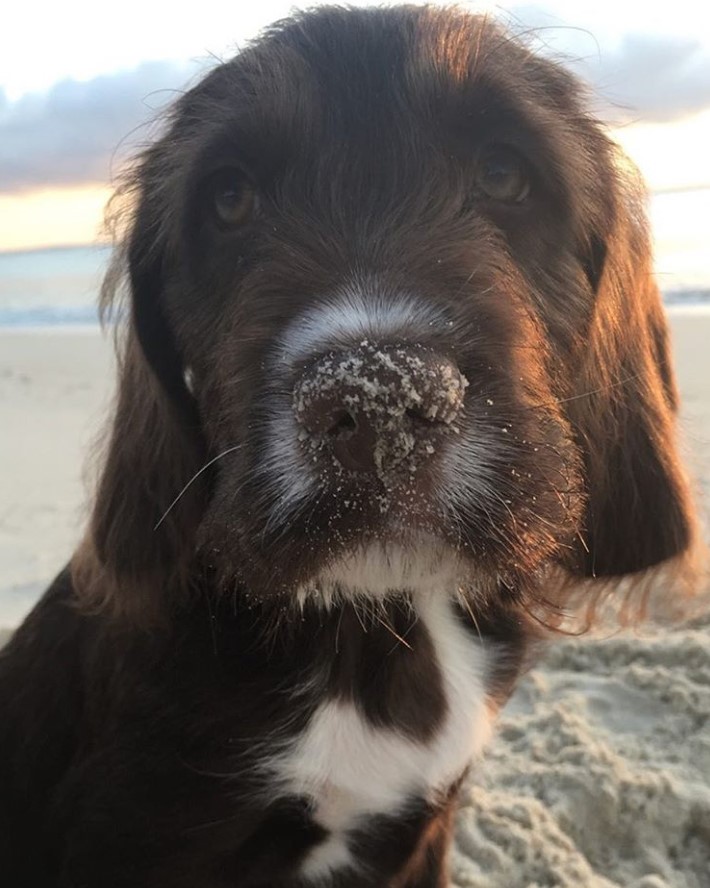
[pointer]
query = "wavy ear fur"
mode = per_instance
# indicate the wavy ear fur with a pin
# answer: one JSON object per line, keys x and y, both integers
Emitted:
{"x": 126, "y": 564}
{"x": 640, "y": 511}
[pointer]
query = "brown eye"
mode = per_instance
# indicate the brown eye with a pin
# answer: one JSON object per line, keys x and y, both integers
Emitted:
{"x": 502, "y": 175}
{"x": 232, "y": 198}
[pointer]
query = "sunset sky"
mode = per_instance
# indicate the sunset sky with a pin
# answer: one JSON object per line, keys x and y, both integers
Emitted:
{"x": 78, "y": 80}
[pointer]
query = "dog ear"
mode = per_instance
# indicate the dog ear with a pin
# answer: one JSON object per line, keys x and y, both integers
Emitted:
{"x": 135, "y": 560}
{"x": 639, "y": 509}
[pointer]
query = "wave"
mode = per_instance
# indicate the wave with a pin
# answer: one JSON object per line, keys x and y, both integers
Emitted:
{"x": 87, "y": 315}
{"x": 50, "y": 316}
{"x": 687, "y": 297}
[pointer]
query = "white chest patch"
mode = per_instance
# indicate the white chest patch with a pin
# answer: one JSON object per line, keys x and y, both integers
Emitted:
{"x": 351, "y": 769}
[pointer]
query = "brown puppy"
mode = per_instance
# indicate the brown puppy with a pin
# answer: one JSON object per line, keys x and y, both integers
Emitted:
{"x": 395, "y": 378}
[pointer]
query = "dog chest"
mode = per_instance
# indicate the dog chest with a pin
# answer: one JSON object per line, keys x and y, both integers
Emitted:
{"x": 351, "y": 768}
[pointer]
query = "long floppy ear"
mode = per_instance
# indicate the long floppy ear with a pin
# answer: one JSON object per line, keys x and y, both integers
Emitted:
{"x": 639, "y": 511}
{"x": 128, "y": 565}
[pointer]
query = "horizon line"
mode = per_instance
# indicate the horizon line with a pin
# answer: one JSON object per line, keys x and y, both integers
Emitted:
{"x": 43, "y": 248}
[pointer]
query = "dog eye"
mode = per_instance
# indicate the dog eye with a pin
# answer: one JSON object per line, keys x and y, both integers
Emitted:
{"x": 231, "y": 198}
{"x": 502, "y": 175}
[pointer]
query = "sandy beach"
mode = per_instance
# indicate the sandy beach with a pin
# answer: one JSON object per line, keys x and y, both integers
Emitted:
{"x": 600, "y": 773}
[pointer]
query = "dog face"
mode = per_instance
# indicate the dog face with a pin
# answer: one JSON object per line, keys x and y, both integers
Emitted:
{"x": 391, "y": 299}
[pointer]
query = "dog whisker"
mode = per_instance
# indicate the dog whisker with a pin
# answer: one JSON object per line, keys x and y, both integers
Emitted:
{"x": 194, "y": 478}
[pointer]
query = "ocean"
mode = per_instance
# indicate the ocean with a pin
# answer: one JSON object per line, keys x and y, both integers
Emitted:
{"x": 59, "y": 287}
{"x": 51, "y": 288}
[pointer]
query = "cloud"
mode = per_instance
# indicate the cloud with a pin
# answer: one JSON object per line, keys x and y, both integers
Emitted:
{"x": 77, "y": 132}
{"x": 652, "y": 78}
{"x": 639, "y": 75}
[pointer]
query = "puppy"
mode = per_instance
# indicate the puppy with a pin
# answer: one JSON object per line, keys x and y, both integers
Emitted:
{"x": 394, "y": 390}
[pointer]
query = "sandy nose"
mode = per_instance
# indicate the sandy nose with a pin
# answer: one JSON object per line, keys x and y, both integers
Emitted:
{"x": 374, "y": 404}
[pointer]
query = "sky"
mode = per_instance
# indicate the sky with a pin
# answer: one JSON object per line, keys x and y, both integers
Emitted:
{"x": 80, "y": 83}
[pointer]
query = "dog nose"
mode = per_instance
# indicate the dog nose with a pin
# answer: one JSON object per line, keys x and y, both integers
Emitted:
{"x": 378, "y": 406}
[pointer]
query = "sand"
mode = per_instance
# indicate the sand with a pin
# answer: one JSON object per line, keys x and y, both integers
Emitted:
{"x": 599, "y": 774}
{"x": 55, "y": 388}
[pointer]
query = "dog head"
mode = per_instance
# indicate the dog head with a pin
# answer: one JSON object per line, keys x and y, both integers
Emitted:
{"x": 392, "y": 322}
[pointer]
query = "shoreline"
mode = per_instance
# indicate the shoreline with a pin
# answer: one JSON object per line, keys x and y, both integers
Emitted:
{"x": 50, "y": 329}
{"x": 69, "y": 328}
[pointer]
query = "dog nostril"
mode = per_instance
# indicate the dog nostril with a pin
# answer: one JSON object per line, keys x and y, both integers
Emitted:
{"x": 419, "y": 417}
{"x": 344, "y": 423}
{"x": 377, "y": 407}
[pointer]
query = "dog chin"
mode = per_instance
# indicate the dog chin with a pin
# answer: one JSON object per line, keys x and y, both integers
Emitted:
{"x": 380, "y": 571}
